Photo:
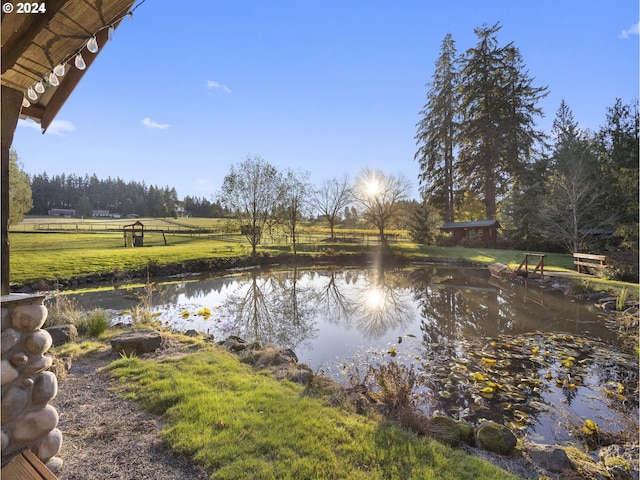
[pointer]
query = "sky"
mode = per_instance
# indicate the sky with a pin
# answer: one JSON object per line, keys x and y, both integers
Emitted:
{"x": 186, "y": 89}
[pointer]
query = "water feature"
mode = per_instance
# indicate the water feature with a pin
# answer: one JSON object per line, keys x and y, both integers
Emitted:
{"x": 519, "y": 354}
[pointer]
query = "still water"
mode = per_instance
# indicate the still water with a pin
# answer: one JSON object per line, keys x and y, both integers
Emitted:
{"x": 518, "y": 354}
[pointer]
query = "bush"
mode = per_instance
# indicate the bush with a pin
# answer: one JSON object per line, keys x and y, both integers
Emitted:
{"x": 622, "y": 265}
{"x": 63, "y": 310}
{"x": 97, "y": 322}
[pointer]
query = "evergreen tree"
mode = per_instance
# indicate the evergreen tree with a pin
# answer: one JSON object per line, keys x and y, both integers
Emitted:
{"x": 20, "y": 199}
{"x": 497, "y": 132}
{"x": 438, "y": 130}
{"x": 573, "y": 202}
{"x": 424, "y": 223}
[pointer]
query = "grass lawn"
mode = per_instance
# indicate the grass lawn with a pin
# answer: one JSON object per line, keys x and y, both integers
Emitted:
{"x": 57, "y": 255}
{"x": 239, "y": 422}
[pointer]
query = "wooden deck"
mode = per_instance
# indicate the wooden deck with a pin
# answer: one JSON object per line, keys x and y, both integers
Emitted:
{"x": 26, "y": 466}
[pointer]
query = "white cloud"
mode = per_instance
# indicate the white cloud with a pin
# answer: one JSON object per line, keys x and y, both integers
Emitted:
{"x": 147, "y": 122}
{"x": 632, "y": 30}
{"x": 57, "y": 127}
{"x": 211, "y": 85}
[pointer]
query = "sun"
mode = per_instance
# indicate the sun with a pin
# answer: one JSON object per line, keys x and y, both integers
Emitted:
{"x": 373, "y": 187}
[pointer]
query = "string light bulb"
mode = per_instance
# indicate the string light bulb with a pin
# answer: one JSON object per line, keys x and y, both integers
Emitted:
{"x": 110, "y": 32}
{"x": 25, "y": 103}
{"x": 79, "y": 62}
{"x": 53, "y": 79}
{"x": 31, "y": 93}
{"x": 92, "y": 45}
{"x": 39, "y": 88}
{"x": 60, "y": 69}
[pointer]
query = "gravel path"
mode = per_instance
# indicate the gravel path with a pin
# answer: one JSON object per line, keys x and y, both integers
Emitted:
{"x": 105, "y": 437}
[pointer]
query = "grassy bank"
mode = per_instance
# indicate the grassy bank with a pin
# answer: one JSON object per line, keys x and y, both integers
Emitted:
{"x": 239, "y": 422}
{"x": 36, "y": 256}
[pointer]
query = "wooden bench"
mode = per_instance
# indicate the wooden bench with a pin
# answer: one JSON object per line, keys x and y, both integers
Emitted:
{"x": 585, "y": 262}
{"x": 26, "y": 466}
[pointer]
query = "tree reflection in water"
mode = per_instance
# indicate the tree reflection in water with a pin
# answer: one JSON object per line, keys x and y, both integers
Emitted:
{"x": 279, "y": 307}
{"x": 271, "y": 308}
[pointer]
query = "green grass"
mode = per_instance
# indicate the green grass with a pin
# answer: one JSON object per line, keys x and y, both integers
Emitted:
{"x": 65, "y": 255}
{"x": 242, "y": 423}
{"x": 50, "y": 256}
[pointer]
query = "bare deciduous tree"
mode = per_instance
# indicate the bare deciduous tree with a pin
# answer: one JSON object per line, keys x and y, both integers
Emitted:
{"x": 379, "y": 196}
{"x": 331, "y": 198}
{"x": 250, "y": 190}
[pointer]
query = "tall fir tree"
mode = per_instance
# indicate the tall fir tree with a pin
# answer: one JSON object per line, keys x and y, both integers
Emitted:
{"x": 497, "y": 131}
{"x": 437, "y": 132}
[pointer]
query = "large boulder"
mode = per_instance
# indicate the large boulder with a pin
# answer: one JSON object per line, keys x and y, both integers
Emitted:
{"x": 496, "y": 438}
{"x": 450, "y": 431}
{"x": 137, "y": 342}
{"x": 61, "y": 334}
{"x": 550, "y": 457}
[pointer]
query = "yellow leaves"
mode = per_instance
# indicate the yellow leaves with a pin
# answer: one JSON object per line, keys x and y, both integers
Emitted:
{"x": 535, "y": 350}
{"x": 489, "y": 361}
{"x": 590, "y": 427}
{"x": 568, "y": 362}
{"x": 185, "y": 314}
{"x": 479, "y": 377}
{"x": 204, "y": 312}
{"x": 393, "y": 352}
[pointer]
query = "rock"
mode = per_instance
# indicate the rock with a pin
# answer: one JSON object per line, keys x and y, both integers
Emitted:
{"x": 35, "y": 424}
{"x": 29, "y": 317}
{"x": 49, "y": 446}
{"x": 7, "y": 373}
{"x": 137, "y": 342}
{"x": 38, "y": 342}
{"x": 62, "y": 334}
{"x": 550, "y": 457}
{"x": 55, "y": 465}
{"x": 10, "y": 338}
{"x": 39, "y": 365}
{"x": 19, "y": 359}
{"x": 449, "y": 431}
{"x": 495, "y": 438}
{"x": 14, "y": 401}
{"x": 45, "y": 388}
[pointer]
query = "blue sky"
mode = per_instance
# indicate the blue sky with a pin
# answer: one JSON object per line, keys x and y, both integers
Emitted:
{"x": 186, "y": 89}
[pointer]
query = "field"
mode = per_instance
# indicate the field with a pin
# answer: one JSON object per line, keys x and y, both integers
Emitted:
{"x": 52, "y": 248}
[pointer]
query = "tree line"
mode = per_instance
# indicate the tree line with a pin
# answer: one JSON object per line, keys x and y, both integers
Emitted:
{"x": 87, "y": 193}
{"x": 481, "y": 155}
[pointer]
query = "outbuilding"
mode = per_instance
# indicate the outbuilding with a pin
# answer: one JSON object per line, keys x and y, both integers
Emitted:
{"x": 487, "y": 230}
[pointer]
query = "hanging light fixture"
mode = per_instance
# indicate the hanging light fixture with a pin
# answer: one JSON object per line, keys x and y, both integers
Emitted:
{"x": 92, "y": 45}
{"x": 110, "y": 32}
{"x": 79, "y": 62}
{"x": 31, "y": 93}
{"x": 39, "y": 88}
{"x": 25, "y": 103}
{"x": 60, "y": 69}
{"x": 53, "y": 79}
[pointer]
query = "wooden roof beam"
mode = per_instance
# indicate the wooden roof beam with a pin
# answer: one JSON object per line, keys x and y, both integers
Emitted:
{"x": 25, "y": 33}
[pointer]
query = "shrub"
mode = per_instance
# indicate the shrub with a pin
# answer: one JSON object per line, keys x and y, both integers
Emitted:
{"x": 395, "y": 384}
{"x": 622, "y": 265}
{"x": 63, "y": 310}
{"x": 97, "y": 322}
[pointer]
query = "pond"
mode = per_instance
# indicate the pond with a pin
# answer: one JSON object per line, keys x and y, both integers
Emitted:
{"x": 518, "y": 354}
